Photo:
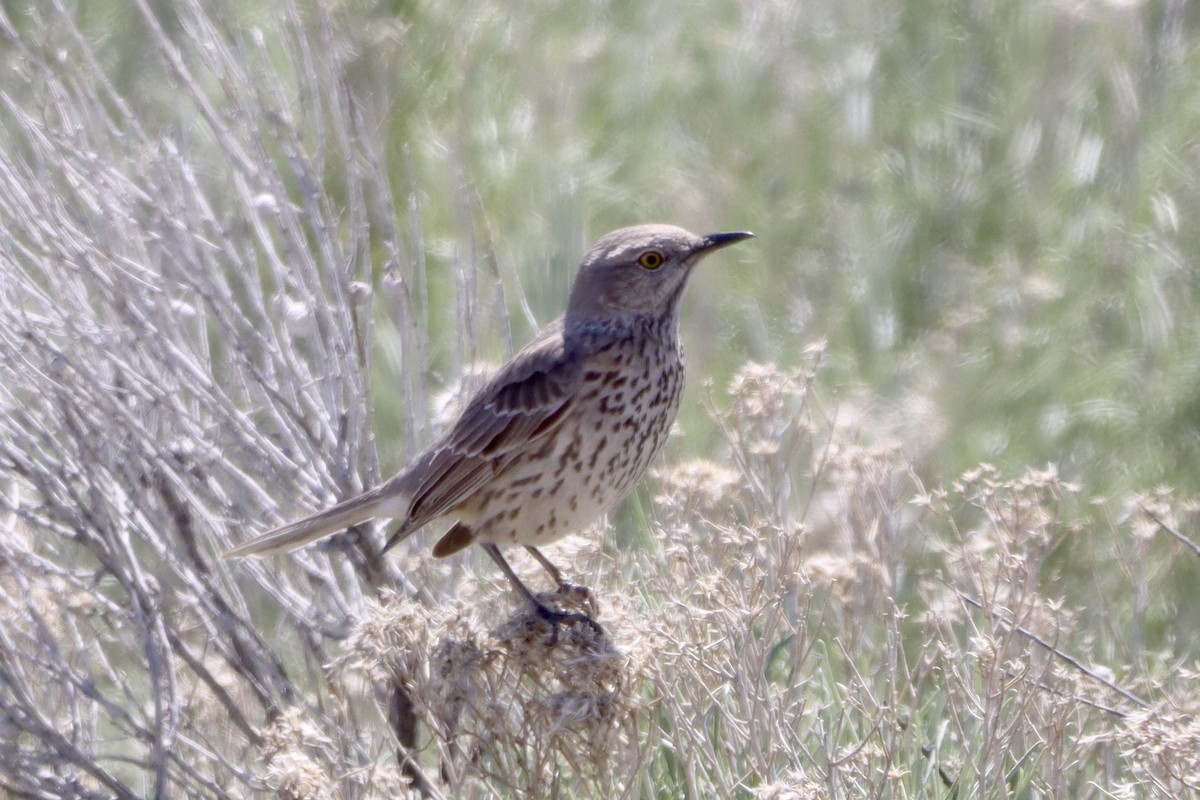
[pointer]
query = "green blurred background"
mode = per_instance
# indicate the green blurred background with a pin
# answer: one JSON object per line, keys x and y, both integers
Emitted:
{"x": 983, "y": 206}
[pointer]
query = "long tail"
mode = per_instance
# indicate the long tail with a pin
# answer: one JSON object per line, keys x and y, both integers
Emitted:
{"x": 373, "y": 503}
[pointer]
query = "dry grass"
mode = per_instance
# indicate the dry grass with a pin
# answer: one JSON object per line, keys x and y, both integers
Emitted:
{"x": 189, "y": 326}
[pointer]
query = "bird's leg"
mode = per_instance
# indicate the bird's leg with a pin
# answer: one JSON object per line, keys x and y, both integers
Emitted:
{"x": 564, "y": 587}
{"x": 545, "y": 562}
{"x": 555, "y": 618}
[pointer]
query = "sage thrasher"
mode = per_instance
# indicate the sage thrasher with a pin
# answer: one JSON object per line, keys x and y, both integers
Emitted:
{"x": 563, "y": 431}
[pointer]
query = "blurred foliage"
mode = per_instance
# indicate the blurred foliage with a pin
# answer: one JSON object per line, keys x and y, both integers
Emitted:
{"x": 982, "y": 206}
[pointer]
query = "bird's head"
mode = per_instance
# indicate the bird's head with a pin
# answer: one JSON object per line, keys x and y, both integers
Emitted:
{"x": 640, "y": 270}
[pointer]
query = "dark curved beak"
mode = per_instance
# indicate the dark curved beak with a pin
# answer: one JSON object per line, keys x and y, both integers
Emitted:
{"x": 715, "y": 241}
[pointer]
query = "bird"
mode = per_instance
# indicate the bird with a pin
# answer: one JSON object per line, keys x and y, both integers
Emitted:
{"x": 562, "y": 432}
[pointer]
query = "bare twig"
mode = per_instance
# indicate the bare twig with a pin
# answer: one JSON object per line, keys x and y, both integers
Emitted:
{"x": 1191, "y": 545}
{"x": 1059, "y": 654}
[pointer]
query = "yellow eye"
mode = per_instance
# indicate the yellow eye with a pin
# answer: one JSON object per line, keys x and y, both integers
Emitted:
{"x": 651, "y": 259}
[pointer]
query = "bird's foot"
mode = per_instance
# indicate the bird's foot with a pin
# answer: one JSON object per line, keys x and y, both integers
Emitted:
{"x": 578, "y": 595}
{"x": 556, "y": 618}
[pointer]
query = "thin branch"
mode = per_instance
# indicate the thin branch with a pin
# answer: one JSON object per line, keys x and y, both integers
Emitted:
{"x": 1064, "y": 657}
{"x": 1195, "y": 548}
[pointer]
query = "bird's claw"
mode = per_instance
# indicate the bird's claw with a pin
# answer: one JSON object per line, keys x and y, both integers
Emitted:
{"x": 556, "y": 618}
{"x": 576, "y": 594}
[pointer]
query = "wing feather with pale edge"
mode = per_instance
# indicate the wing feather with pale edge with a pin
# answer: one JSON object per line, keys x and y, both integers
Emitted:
{"x": 522, "y": 403}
